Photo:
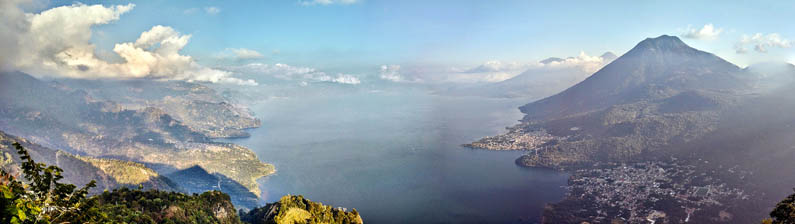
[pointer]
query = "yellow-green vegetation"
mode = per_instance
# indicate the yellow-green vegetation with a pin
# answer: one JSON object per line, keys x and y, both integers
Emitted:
{"x": 124, "y": 172}
{"x": 294, "y": 215}
{"x": 39, "y": 197}
{"x": 293, "y": 209}
{"x": 135, "y": 206}
{"x": 43, "y": 199}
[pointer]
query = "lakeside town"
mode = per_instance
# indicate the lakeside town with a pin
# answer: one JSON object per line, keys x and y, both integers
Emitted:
{"x": 649, "y": 192}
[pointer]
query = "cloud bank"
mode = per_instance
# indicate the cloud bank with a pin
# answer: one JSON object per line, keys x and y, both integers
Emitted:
{"x": 56, "y": 42}
{"x": 392, "y": 73}
{"x": 493, "y": 70}
{"x": 287, "y": 72}
{"x": 761, "y": 42}
{"x": 708, "y": 32}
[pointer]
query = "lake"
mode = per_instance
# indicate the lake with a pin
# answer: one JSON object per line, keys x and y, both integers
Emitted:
{"x": 394, "y": 154}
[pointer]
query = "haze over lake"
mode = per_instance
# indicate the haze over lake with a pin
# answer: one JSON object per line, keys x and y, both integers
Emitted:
{"x": 395, "y": 155}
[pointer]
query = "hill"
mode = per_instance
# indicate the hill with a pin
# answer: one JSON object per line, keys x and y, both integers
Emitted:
{"x": 58, "y": 116}
{"x": 197, "y": 106}
{"x": 34, "y": 194}
{"x": 109, "y": 173}
{"x": 297, "y": 209}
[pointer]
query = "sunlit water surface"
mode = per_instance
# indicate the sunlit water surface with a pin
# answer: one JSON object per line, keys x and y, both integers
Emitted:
{"x": 395, "y": 156}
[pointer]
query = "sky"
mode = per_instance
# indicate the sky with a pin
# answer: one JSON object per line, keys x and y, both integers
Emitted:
{"x": 342, "y": 40}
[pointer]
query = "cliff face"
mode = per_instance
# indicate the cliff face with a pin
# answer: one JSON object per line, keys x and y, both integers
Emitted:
{"x": 61, "y": 117}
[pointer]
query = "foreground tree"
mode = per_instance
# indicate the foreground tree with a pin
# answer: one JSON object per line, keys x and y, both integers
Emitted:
{"x": 41, "y": 198}
{"x": 784, "y": 212}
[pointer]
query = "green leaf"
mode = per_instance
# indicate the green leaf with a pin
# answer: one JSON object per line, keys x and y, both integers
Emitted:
{"x": 21, "y": 215}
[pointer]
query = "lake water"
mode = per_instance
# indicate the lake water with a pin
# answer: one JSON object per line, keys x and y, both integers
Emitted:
{"x": 395, "y": 156}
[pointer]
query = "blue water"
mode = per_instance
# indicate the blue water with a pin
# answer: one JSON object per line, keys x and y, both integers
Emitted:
{"x": 395, "y": 156}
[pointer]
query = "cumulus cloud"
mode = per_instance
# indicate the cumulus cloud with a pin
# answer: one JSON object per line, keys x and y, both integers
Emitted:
{"x": 761, "y": 42}
{"x": 287, "y": 72}
{"x": 12, "y": 22}
{"x": 708, "y": 32}
{"x": 585, "y": 62}
{"x": 327, "y": 2}
{"x": 57, "y": 42}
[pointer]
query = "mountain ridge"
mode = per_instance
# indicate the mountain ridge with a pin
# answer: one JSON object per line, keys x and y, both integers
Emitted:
{"x": 57, "y": 116}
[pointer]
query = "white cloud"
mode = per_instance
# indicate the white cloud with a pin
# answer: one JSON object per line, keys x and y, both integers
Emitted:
{"x": 708, "y": 32}
{"x": 391, "y": 73}
{"x": 243, "y": 53}
{"x": 57, "y": 42}
{"x": 761, "y": 42}
{"x": 585, "y": 62}
{"x": 212, "y": 10}
{"x": 327, "y": 2}
{"x": 395, "y": 73}
{"x": 239, "y": 54}
{"x": 495, "y": 71}
{"x": 496, "y": 66}
{"x": 340, "y": 78}
{"x": 12, "y": 22}
{"x": 288, "y": 72}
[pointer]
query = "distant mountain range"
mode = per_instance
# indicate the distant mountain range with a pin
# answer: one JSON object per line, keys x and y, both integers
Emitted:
{"x": 662, "y": 100}
{"x": 166, "y": 126}
{"x": 199, "y": 107}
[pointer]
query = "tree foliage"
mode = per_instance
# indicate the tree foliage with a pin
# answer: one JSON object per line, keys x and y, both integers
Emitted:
{"x": 297, "y": 209}
{"x": 39, "y": 197}
{"x": 42, "y": 199}
{"x": 784, "y": 212}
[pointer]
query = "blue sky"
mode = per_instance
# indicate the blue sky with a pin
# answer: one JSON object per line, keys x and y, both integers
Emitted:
{"x": 356, "y": 36}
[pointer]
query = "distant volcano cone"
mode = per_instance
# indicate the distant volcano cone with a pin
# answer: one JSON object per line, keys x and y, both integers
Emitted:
{"x": 654, "y": 68}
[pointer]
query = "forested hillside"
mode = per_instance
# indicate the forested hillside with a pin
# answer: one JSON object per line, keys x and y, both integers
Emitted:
{"x": 35, "y": 194}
